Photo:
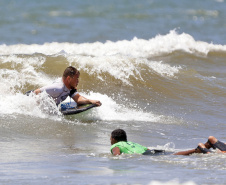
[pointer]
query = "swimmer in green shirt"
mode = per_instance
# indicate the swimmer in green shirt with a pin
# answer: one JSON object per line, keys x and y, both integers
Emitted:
{"x": 119, "y": 145}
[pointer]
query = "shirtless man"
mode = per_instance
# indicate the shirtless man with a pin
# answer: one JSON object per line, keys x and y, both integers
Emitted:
{"x": 62, "y": 88}
{"x": 119, "y": 145}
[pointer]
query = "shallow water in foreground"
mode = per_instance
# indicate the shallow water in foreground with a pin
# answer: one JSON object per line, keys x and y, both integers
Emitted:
{"x": 65, "y": 151}
{"x": 158, "y": 67}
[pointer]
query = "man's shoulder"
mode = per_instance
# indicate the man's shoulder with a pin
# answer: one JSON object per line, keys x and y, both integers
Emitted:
{"x": 119, "y": 144}
{"x": 57, "y": 85}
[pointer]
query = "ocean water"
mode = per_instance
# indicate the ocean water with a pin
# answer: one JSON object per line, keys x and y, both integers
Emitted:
{"x": 158, "y": 67}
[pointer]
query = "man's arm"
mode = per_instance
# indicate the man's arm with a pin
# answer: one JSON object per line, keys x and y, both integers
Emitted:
{"x": 116, "y": 151}
{"x": 82, "y": 100}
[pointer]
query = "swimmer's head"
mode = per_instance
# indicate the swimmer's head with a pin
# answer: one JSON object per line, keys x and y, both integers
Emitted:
{"x": 118, "y": 135}
{"x": 70, "y": 71}
{"x": 71, "y": 77}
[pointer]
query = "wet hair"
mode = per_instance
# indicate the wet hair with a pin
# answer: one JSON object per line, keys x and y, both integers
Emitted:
{"x": 119, "y": 135}
{"x": 70, "y": 71}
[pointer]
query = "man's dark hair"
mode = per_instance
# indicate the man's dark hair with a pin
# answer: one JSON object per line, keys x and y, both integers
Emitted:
{"x": 119, "y": 135}
{"x": 70, "y": 71}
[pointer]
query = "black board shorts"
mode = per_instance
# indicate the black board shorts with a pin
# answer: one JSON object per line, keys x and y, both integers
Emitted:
{"x": 154, "y": 152}
{"x": 220, "y": 145}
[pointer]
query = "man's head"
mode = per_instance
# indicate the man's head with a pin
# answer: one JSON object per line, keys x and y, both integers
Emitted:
{"x": 70, "y": 71}
{"x": 118, "y": 135}
{"x": 70, "y": 77}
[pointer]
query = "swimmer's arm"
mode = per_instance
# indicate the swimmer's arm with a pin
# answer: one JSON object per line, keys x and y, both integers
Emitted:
{"x": 116, "y": 151}
{"x": 82, "y": 100}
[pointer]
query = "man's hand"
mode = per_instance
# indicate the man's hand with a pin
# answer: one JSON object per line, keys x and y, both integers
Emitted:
{"x": 96, "y": 102}
{"x": 82, "y": 100}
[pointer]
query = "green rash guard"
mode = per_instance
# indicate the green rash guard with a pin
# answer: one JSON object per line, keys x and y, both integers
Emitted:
{"x": 129, "y": 147}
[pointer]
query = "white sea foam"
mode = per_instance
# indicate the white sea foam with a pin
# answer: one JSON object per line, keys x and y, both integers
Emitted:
{"x": 136, "y": 47}
{"x": 11, "y": 80}
{"x": 123, "y": 68}
{"x": 164, "y": 69}
{"x": 33, "y": 105}
{"x": 172, "y": 182}
{"x": 112, "y": 111}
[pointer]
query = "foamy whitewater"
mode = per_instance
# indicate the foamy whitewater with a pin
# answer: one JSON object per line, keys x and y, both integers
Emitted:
{"x": 164, "y": 84}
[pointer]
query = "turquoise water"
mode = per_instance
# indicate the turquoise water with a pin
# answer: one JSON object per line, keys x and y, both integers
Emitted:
{"x": 77, "y": 21}
{"x": 158, "y": 67}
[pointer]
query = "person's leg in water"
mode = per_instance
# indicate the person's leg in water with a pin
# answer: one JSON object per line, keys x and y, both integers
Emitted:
{"x": 188, "y": 152}
{"x": 204, "y": 148}
{"x": 200, "y": 149}
{"x": 215, "y": 143}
